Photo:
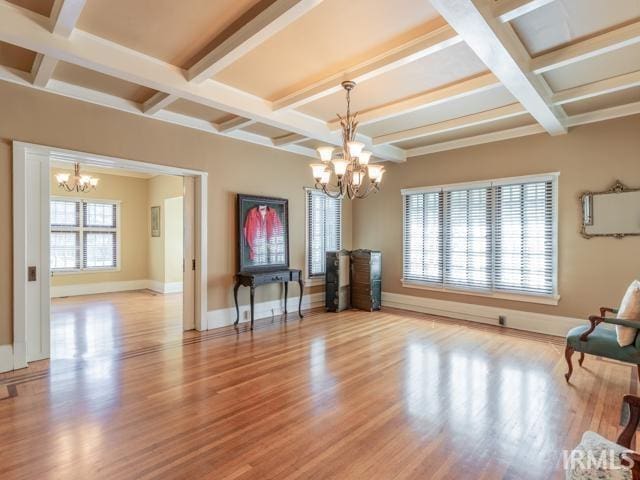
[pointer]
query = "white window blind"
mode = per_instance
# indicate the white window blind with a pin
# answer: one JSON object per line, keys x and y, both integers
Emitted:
{"x": 494, "y": 237}
{"x": 324, "y": 230}
{"x": 423, "y": 237}
{"x": 524, "y": 238}
{"x": 84, "y": 235}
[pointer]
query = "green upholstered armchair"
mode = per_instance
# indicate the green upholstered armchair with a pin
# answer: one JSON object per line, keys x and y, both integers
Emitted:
{"x": 601, "y": 341}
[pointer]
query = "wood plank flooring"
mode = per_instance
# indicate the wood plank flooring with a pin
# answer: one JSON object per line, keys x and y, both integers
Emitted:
{"x": 354, "y": 395}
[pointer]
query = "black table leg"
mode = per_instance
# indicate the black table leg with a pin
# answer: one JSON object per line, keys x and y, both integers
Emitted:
{"x": 235, "y": 297}
{"x": 301, "y": 283}
{"x": 253, "y": 289}
{"x": 286, "y": 291}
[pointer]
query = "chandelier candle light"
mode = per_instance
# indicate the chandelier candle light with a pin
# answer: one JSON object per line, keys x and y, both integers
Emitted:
{"x": 76, "y": 182}
{"x": 355, "y": 178}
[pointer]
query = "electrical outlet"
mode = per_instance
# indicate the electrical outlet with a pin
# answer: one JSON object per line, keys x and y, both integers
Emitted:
{"x": 502, "y": 320}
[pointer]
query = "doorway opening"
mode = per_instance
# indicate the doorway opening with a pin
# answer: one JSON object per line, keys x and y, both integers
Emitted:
{"x": 107, "y": 270}
{"x": 117, "y": 261}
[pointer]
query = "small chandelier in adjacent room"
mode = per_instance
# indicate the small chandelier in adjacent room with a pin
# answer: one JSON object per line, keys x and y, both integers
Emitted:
{"x": 354, "y": 177}
{"x": 76, "y": 182}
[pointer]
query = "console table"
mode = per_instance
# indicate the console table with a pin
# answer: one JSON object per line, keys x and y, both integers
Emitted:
{"x": 255, "y": 279}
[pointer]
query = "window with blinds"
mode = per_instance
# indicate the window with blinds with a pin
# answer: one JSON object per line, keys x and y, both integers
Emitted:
{"x": 84, "y": 235}
{"x": 324, "y": 230}
{"x": 497, "y": 236}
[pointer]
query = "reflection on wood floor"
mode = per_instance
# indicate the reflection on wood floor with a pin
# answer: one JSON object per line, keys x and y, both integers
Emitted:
{"x": 354, "y": 395}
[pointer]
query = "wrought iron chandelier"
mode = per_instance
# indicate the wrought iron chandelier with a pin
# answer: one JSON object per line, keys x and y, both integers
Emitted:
{"x": 76, "y": 182}
{"x": 355, "y": 178}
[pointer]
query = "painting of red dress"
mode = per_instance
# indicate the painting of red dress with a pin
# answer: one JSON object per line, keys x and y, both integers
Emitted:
{"x": 263, "y": 233}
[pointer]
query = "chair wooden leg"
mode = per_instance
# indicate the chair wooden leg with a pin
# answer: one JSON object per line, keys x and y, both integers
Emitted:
{"x": 568, "y": 352}
{"x": 581, "y": 358}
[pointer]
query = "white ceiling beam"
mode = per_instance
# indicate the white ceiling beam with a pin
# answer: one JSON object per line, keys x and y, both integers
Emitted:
{"x": 507, "y": 10}
{"x": 481, "y": 118}
{"x": 157, "y": 102}
{"x": 29, "y": 30}
{"x": 234, "y": 124}
{"x": 411, "y": 51}
{"x": 573, "y": 121}
{"x": 602, "y": 87}
{"x": 42, "y": 70}
{"x": 68, "y": 90}
{"x": 477, "y": 140}
{"x": 64, "y": 16}
{"x": 264, "y": 25}
{"x": 290, "y": 139}
{"x": 499, "y": 48}
{"x": 431, "y": 98}
{"x": 601, "y": 44}
{"x": 604, "y": 114}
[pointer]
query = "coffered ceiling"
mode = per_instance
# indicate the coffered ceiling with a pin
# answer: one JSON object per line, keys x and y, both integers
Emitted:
{"x": 431, "y": 75}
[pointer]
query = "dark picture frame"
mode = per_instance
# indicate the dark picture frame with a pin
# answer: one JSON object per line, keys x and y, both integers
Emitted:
{"x": 263, "y": 233}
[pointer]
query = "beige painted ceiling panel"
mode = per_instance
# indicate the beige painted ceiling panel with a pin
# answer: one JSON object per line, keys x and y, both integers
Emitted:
{"x": 332, "y": 37}
{"x": 445, "y": 67}
{"x": 196, "y": 110}
{"x": 566, "y": 21}
{"x": 311, "y": 143}
{"x": 469, "y": 132}
{"x": 175, "y": 31}
{"x": 43, "y": 7}
{"x": 479, "y": 102}
{"x": 624, "y": 60}
{"x": 16, "y": 57}
{"x": 100, "y": 82}
{"x": 265, "y": 130}
{"x": 603, "y": 101}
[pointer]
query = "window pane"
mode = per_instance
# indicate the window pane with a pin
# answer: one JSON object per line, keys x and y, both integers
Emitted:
{"x": 64, "y": 213}
{"x": 324, "y": 229}
{"x": 468, "y": 238}
{"x": 524, "y": 238}
{"x": 422, "y": 237}
{"x": 100, "y": 215}
{"x": 100, "y": 249}
{"x": 64, "y": 250}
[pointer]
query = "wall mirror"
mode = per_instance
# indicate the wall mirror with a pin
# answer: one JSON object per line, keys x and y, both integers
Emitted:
{"x": 611, "y": 213}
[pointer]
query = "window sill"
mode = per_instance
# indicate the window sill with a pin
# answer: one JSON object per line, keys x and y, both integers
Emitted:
{"x": 516, "y": 297}
{"x": 82, "y": 272}
{"x": 313, "y": 281}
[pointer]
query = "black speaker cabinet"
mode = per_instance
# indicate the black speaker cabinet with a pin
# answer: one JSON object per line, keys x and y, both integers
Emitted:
{"x": 366, "y": 282}
{"x": 337, "y": 281}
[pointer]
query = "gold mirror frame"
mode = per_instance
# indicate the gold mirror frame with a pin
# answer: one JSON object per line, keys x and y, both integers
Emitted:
{"x": 586, "y": 206}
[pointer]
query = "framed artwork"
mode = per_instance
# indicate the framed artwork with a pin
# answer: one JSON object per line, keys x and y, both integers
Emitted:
{"x": 155, "y": 221}
{"x": 263, "y": 233}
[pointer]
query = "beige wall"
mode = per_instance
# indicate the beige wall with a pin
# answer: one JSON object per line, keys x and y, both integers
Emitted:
{"x": 234, "y": 166}
{"x": 173, "y": 239}
{"x": 161, "y": 187}
{"x": 132, "y": 193}
{"x": 592, "y": 272}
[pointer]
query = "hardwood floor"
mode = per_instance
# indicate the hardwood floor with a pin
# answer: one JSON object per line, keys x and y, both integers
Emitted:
{"x": 354, "y": 395}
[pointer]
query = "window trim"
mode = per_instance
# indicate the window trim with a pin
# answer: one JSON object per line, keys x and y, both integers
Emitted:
{"x": 314, "y": 280}
{"x": 82, "y": 229}
{"x": 551, "y": 299}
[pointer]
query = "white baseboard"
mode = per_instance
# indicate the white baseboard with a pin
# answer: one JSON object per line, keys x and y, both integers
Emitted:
{"x": 6, "y": 358}
{"x": 110, "y": 287}
{"x": 226, "y": 316}
{"x": 170, "y": 287}
{"x": 93, "y": 288}
{"x": 518, "y": 319}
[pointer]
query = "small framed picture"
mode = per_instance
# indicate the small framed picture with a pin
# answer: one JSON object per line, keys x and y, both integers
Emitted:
{"x": 155, "y": 221}
{"x": 263, "y": 233}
